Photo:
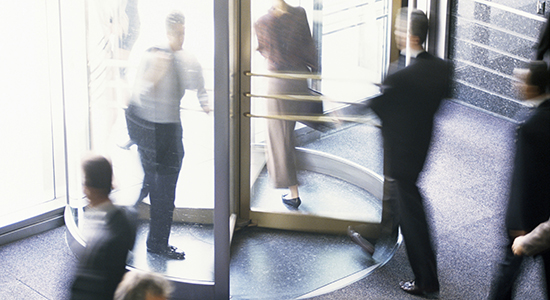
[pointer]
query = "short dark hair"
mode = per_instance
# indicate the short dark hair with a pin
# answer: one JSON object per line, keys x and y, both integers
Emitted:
{"x": 175, "y": 17}
{"x": 136, "y": 285}
{"x": 538, "y": 75}
{"x": 98, "y": 173}
{"x": 419, "y": 22}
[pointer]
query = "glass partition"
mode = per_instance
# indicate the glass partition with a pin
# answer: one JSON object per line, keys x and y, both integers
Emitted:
{"x": 347, "y": 59}
{"x": 31, "y": 97}
{"x": 124, "y": 41}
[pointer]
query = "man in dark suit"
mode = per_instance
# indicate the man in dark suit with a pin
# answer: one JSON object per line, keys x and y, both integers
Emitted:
{"x": 110, "y": 233}
{"x": 410, "y": 98}
{"x": 529, "y": 202}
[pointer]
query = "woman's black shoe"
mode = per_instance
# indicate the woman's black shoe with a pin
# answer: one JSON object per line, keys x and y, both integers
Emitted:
{"x": 292, "y": 203}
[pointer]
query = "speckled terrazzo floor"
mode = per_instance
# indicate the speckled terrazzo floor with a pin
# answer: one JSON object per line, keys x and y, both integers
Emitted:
{"x": 465, "y": 185}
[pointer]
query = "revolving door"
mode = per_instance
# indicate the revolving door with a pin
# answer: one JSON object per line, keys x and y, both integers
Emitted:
{"x": 223, "y": 187}
{"x": 338, "y": 153}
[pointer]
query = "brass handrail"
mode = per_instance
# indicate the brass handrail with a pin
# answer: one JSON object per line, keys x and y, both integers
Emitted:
{"x": 301, "y": 98}
{"x": 318, "y": 118}
{"x": 284, "y": 75}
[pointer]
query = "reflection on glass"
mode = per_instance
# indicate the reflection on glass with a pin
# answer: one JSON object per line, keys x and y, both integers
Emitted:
{"x": 150, "y": 84}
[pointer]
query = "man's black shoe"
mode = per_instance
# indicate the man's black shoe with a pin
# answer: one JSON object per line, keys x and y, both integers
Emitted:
{"x": 170, "y": 252}
{"x": 411, "y": 288}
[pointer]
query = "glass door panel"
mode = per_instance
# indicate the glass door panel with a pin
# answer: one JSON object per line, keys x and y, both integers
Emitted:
{"x": 124, "y": 39}
{"x": 30, "y": 84}
{"x": 337, "y": 187}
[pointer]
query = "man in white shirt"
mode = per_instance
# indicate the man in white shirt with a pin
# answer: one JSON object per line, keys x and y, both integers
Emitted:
{"x": 154, "y": 124}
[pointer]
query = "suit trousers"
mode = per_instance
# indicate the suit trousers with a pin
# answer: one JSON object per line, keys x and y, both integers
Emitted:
{"x": 280, "y": 141}
{"x": 281, "y": 153}
{"x": 416, "y": 234}
{"x": 162, "y": 193}
{"x": 161, "y": 152}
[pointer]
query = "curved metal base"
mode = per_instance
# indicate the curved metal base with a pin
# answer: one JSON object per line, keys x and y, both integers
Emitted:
{"x": 314, "y": 161}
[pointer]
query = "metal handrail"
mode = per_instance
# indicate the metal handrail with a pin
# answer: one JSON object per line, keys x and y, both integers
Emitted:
{"x": 319, "y": 118}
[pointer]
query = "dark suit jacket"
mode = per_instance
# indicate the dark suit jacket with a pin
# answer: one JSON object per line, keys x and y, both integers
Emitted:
{"x": 103, "y": 263}
{"x": 410, "y": 98}
{"x": 529, "y": 203}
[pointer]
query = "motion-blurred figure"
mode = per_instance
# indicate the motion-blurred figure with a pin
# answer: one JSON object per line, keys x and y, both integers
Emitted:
{"x": 529, "y": 203}
{"x": 542, "y": 49}
{"x": 410, "y": 98}
{"x": 111, "y": 234}
{"x": 154, "y": 124}
{"x": 285, "y": 40}
{"x": 143, "y": 286}
{"x": 113, "y": 28}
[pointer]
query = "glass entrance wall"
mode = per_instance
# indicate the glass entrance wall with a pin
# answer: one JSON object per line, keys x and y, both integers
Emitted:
{"x": 118, "y": 34}
{"x": 121, "y": 42}
{"x": 31, "y": 167}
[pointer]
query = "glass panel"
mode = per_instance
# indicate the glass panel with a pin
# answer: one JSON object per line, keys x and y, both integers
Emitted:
{"x": 489, "y": 40}
{"x": 137, "y": 75}
{"x": 28, "y": 71}
{"x": 349, "y": 55}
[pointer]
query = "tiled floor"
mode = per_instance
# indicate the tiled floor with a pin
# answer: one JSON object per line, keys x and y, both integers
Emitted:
{"x": 465, "y": 184}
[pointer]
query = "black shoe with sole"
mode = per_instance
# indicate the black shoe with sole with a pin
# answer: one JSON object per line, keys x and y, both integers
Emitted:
{"x": 170, "y": 252}
{"x": 411, "y": 288}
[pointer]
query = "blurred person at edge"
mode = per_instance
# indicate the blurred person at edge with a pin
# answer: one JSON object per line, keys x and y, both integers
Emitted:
{"x": 529, "y": 200}
{"x": 111, "y": 234}
{"x": 137, "y": 285}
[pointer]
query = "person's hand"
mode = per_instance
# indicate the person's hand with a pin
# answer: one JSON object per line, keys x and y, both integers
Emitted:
{"x": 517, "y": 246}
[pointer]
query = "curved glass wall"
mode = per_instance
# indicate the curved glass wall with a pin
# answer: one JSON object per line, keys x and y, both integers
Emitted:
{"x": 119, "y": 36}
{"x": 351, "y": 41}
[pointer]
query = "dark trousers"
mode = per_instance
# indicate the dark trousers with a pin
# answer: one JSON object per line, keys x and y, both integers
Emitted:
{"x": 161, "y": 152}
{"x": 401, "y": 174}
{"x": 507, "y": 273}
{"x": 416, "y": 234}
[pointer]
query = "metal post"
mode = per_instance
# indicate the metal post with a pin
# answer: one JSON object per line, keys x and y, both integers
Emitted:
{"x": 221, "y": 149}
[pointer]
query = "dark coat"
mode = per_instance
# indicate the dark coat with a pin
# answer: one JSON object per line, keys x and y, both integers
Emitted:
{"x": 410, "y": 98}
{"x": 103, "y": 262}
{"x": 529, "y": 203}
